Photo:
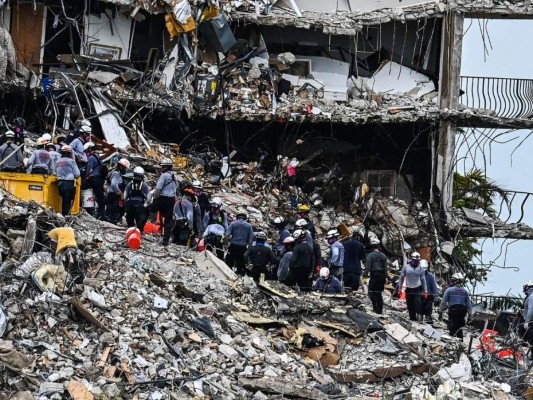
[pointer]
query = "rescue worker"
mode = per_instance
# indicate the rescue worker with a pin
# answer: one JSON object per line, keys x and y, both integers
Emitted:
{"x": 214, "y": 238}
{"x": 135, "y": 195}
{"x": 457, "y": 299}
{"x": 203, "y": 199}
{"x": 283, "y": 233}
{"x": 354, "y": 258}
{"x": 78, "y": 143}
{"x": 303, "y": 212}
{"x": 115, "y": 196}
{"x": 376, "y": 268}
{"x": 528, "y": 316}
{"x": 196, "y": 228}
{"x": 433, "y": 294}
{"x": 216, "y": 215}
{"x": 78, "y": 131}
{"x": 327, "y": 283}
{"x": 184, "y": 219}
{"x": 67, "y": 172}
{"x": 259, "y": 256}
{"x": 283, "y": 266}
{"x": 336, "y": 253}
{"x": 40, "y": 161}
{"x": 66, "y": 240}
{"x": 95, "y": 177}
{"x": 164, "y": 199}
{"x": 18, "y": 127}
{"x": 9, "y": 162}
{"x": 303, "y": 225}
{"x": 415, "y": 281}
{"x": 240, "y": 235}
{"x": 302, "y": 263}
{"x": 60, "y": 141}
{"x": 51, "y": 148}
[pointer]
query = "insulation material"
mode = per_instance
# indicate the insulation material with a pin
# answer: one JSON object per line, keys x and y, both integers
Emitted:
{"x": 113, "y": 132}
{"x": 397, "y": 79}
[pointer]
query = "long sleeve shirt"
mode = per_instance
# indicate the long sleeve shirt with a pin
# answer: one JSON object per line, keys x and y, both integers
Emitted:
{"x": 302, "y": 257}
{"x": 67, "y": 169}
{"x": 215, "y": 229}
{"x": 354, "y": 255}
{"x": 41, "y": 158}
{"x": 136, "y": 191}
{"x": 55, "y": 158}
{"x": 240, "y": 233}
{"x": 376, "y": 261}
{"x": 456, "y": 295}
{"x": 78, "y": 151}
{"x": 284, "y": 234}
{"x": 283, "y": 267}
{"x": 329, "y": 286}
{"x": 94, "y": 166}
{"x": 14, "y": 161}
{"x": 336, "y": 254}
{"x": 115, "y": 181}
{"x": 260, "y": 255}
{"x": 413, "y": 277}
{"x": 528, "y": 307}
{"x": 210, "y": 218}
{"x": 183, "y": 210}
{"x": 167, "y": 185}
{"x": 431, "y": 283}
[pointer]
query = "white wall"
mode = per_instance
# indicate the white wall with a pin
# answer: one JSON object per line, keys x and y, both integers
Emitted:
{"x": 98, "y": 31}
{"x": 5, "y": 17}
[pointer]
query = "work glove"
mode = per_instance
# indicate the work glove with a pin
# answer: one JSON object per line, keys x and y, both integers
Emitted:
{"x": 157, "y": 192}
{"x": 526, "y": 325}
{"x": 440, "y": 315}
{"x": 425, "y": 295}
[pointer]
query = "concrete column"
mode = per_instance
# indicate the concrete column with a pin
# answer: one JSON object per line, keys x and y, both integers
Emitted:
{"x": 449, "y": 86}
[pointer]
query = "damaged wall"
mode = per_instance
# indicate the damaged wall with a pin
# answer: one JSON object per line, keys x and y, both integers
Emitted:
{"x": 108, "y": 33}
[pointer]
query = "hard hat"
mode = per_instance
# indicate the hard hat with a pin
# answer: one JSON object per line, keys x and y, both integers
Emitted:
{"x": 332, "y": 233}
{"x": 19, "y": 121}
{"x": 47, "y": 136}
{"x": 298, "y": 234}
{"x": 374, "y": 241}
{"x": 125, "y": 163}
{"x": 458, "y": 277}
{"x": 66, "y": 149}
{"x": 10, "y": 134}
{"x": 242, "y": 215}
{"x": 278, "y": 221}
{"x": 415, "y": 255}
{"x": 86, "y": 122}
{"x": 41, "y": 141}
{"x": 85, "y": 129}
{"x": 288, "y": 240}
{"x": 197, "y": 184}
{"x": 529, "y": 284}
{"x": 424, "y": 264}
{"x": 216, "y": 202}
{"x": 301, "y": 224}
{"x": 166, "y": 162}
{"x": 61, "y": 137}
{"x": 324, "y": 272}
{"x": 50, "y": 144}
{"x": 260, "y": 236}
{"x": 304, "y": 208}
{"x": 88, "y": 145}
{"x": 138, "y": 171}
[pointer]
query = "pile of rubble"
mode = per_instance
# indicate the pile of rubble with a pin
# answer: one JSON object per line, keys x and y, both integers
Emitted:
{"x": 153, "y": 324}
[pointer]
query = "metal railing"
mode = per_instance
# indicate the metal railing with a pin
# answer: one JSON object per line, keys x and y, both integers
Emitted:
{"x": 498, "y": 303}
{"x": 506, "y": 97}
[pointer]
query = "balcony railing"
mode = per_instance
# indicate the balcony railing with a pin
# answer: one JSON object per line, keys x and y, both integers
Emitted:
{"x": 506, "y": 97}
{"x": 498, "y": 303}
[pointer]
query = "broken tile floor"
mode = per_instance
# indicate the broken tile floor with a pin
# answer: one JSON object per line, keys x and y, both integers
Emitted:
{"x": 177, "y": 324}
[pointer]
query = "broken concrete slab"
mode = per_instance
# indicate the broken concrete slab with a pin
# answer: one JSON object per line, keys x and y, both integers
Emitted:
{"x": 214, "y": 266}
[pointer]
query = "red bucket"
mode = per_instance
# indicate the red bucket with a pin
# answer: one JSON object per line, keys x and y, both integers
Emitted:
{"x": 201, "y": 245}
{"x": 151, "y": 228}
{"x": 133, "y": 236}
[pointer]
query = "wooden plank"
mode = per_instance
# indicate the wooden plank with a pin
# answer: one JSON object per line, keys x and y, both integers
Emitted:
{"x": 85, "y": 314}
{"x": 103, "y": 358}
{"x": 127, "y": 372}
{"x": 27, "y": 32}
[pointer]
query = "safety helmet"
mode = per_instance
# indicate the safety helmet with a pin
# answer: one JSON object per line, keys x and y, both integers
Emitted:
{"x": 41, "y": 141}
{"x": 216, "y": 202}
{"x": 333, "y": 233}
{"x": 86, "y": 129}
{"x": 61, "y": 138}
{"x": 125, "y": 163}
{"x": 50, "y": 145}
{"x": 374, "y": 241}
{"x": 242, "y": 215}
{"x": 458, "y": 277}
{"x": 47, "y": 136}
{"x": 19, "y": 122}
{"x": 301, "y": 224}
{"x": 88, "y": 146}
{"x": 415, "y": 255}
{"x": 324, "y": 273}
{"x": 138, "y": 173}
{"x": 527, "y": 285}
{"x": 298, "y": 234}
{"x": 166, "y": 163}
{"x": 66, "y": 149}
{"x": 261, "y": 236}
{"x": 279, "y": 221}
{"x": 424, "y": 264}
{"x": 303, "y": 208}
{"x": 288, "y": 240}
{"x": 197, "y": 184}
{"x": 10, "y": 134}
{"x": 86, "y": 122}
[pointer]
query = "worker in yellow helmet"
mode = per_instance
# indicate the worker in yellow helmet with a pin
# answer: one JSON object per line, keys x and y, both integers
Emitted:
{"x": 303, "y": 213}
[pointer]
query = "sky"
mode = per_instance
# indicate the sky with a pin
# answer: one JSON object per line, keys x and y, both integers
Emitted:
{"x": 509, "y": 54}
